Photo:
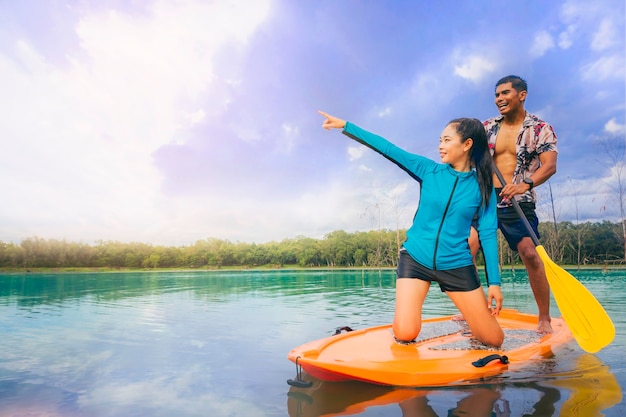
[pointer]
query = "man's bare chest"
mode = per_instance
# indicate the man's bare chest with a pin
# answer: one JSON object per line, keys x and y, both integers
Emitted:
{"x": 506, "y": 140}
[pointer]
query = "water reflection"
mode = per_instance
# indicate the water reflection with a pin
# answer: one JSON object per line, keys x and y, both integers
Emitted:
{"x": 348, "y": 398}
{"x": 593, "y": 388}
{"x": 590, "y": 389}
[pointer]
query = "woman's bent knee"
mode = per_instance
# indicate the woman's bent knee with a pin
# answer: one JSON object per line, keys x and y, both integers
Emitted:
{"x": 404, "y": 333}
{"x": 494, "y": 339}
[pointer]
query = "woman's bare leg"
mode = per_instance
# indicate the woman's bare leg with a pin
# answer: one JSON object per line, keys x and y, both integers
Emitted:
{"x": 410, "y": 296}
{"x": 473, "y": 306}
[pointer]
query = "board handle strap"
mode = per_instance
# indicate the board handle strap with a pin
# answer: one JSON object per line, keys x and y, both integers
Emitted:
{"x": 484, "y": 361}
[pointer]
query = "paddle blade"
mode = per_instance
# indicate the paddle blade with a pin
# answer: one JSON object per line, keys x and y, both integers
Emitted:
{"x": 590, "y": 325}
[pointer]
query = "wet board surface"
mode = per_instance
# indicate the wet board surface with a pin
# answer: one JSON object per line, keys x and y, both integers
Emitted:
{"x": 444, "y": 353}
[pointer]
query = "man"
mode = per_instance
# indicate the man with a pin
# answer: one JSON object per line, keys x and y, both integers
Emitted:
{"x": 524, "y": 150}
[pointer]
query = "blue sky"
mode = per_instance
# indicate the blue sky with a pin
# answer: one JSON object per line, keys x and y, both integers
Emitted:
{"x": 168, "y": 122}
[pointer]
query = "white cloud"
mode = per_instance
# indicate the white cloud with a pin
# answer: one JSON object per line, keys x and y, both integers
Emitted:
{"x": 164, "y": 393}
{"x": 290, "y": 134}
{"x": 195, "y": 117}
{"x": 542, "y": 43}
{"x": 399, "y": 189}
{"x": 29, "y": 58}
{"x": 474, "y": 68}
{"x": 423, "y": 95}
{"x": 80, "y": 137}
{"x": 545, "y": 113}
{"x": 566, "y": 38}
{"x": 605, "y": 37}
{"x": 338, "y": 205}
{"x": 141, "y": 70}
{"x": 384, "y": 112}
{"x": 335, "y": 205}
{"x": 356, "y": 152}
{"x": 600, "y": 23}
{"x": 605, "y": 68}
{"x": 424, "y": 85}
{"x": 614, "y": 128}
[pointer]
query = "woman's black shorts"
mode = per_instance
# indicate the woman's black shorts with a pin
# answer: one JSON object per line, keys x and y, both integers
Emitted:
{"x": 458, "y": 279}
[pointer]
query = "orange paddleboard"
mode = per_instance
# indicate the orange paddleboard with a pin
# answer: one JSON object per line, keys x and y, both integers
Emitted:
{"x": 444, "y": 353}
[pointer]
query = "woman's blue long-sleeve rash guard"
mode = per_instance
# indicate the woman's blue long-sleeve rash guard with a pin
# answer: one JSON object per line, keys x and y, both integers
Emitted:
{"x": 438, "y": 237}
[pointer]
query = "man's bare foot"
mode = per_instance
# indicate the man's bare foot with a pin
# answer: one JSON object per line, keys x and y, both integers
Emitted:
{"x": 544, "y": 326}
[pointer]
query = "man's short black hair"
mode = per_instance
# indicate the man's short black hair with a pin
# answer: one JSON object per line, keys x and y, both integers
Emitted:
{"x": 518, "y": 83}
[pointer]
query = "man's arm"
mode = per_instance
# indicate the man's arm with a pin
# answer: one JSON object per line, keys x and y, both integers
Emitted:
{"x": 547, "y": 168}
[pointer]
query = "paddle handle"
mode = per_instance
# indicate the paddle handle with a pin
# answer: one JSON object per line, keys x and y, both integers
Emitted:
{"x": 518, "y": 209}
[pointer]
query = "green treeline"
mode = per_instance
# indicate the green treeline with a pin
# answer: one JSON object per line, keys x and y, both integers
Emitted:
{"x": 587, "y": 243}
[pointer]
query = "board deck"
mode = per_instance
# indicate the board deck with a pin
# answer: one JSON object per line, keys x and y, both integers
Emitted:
{"x": 444, "y": 354}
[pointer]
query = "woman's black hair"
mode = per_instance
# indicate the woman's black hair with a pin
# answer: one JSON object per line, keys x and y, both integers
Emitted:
{"x": 480, "y": 156}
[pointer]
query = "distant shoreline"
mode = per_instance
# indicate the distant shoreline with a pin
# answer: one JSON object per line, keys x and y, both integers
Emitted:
{"x": 45, "y": 270}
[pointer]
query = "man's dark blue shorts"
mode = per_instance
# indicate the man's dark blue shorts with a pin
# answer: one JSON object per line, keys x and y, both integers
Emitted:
{"x": 513, "y": 228}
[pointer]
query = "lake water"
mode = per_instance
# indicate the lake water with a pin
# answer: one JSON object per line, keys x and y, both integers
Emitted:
{"x": 216, "y": 343}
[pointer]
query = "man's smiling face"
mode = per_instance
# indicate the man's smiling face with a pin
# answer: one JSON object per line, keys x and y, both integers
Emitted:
{"x": 508, "y": 99}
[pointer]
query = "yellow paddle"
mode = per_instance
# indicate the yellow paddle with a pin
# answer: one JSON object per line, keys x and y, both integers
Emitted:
{"x": 590, "y": 325}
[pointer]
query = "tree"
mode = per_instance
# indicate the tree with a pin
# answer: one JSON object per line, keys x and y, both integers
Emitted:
{"x": 579, "y": 230}
{"x": 151, "y": 261}
{"x": 613, "y": 148}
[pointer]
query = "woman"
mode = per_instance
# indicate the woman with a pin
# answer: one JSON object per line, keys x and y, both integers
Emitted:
{"x": 436, "y": 248}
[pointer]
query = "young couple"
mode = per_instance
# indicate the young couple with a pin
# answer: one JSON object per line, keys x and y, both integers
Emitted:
{"x": 460, "y": 211}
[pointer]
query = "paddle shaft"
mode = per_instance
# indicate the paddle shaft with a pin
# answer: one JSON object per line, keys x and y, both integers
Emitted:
{"x": 518, "y": 209}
